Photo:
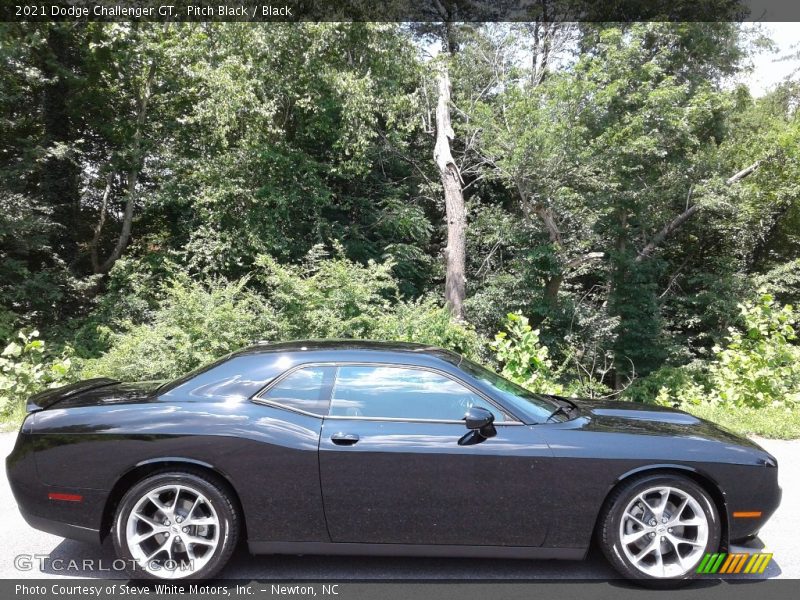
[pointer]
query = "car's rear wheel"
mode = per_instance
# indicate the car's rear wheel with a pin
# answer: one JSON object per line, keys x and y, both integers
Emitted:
{"x": 657, "y": 529}
{"x": 175, "y": 525}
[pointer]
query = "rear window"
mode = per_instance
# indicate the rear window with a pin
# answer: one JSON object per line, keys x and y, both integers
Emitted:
{"x": 307, "y": 389}
{"x": 231, "y": 377}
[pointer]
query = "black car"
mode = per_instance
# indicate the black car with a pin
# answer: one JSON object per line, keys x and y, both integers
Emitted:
{"x": 343, "y": 447}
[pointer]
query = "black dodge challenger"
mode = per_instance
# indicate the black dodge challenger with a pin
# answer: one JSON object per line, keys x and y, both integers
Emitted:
{"x": 345, "y": 447}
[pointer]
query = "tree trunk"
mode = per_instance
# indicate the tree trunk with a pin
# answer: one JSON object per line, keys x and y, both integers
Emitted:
{"x": 132, "y": 175}
{"x": 60, "y": 173}
{"x": 455, "y": 251}
{"x": 551, "y": 289}
{"x": 549, "y": 220}
{"x": 98, "y": 229}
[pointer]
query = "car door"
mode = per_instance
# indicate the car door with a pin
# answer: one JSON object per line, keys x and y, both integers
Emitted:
{"x": 393, "y": 471}
{"x": 283, "y": 490}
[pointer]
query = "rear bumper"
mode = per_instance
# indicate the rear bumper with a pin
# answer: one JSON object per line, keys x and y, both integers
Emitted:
{"x": 61, "y": 529}
{"x": 79, "y": 520}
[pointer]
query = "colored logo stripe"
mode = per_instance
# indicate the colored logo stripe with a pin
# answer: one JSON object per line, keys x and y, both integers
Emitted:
{"x": 721, "y": 562}
{"x": 734, "y": 563}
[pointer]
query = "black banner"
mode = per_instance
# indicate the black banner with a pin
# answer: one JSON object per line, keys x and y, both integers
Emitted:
{"x": 401, "y": 10}
{"x": 82, "y": 589}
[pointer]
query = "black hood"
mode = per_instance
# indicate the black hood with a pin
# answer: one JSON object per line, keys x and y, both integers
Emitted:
{"x": 652, "y": 419}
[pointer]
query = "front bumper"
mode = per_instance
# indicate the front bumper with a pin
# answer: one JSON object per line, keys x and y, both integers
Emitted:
{"x": 752, "y": 496}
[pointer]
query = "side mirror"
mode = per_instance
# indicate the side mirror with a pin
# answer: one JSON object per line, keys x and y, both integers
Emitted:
{"x": 480, "y": 422}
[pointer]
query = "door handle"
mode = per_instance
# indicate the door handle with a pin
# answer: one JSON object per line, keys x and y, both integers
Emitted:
{"x": 344, "y": 439}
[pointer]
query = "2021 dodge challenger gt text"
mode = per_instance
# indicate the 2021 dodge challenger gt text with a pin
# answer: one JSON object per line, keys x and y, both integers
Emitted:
{"x": 344, "y": 447}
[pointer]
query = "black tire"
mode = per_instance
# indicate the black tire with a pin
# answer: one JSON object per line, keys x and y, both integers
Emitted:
{"x": 217, "y": 496}
{"x": 611, "y": 518}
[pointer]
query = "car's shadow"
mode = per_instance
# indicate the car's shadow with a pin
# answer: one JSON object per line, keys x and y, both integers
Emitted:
{"x": 71, "y": 558}
{"x": 76, "y": 559}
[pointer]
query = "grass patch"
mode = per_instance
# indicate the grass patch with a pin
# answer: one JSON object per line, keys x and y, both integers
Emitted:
{"x": 12, "y": 420}
{"x": 771, "y": 422}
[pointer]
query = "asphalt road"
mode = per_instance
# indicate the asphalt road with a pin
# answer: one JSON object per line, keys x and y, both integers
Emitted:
{"x": 48, "y": 556}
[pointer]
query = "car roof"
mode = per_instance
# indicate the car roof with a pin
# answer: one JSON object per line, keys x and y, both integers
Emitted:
{"x": 337, "y": 344}
{"x": 331, "y": 347}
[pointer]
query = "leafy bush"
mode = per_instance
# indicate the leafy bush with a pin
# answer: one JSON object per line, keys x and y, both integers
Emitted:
{"x": 338, "y": 298}
{"x": 425, "y": 322}
{"x": 7, "y": 321}
{"x": 671, "y": 386}
{"x": 133, "y": 291}
{"x": 195, "y": 324}
{"x": 524, "y": 360}
{"x": 27, "y": 368}
{"x": 327, "y": 297}
{"x": 761, "y": 365}
{"x": 752, "y": 384}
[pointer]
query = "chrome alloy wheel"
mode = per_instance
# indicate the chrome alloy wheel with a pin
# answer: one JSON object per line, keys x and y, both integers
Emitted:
{"x": 664, "y": 532}
{"x": 172, "y": 531}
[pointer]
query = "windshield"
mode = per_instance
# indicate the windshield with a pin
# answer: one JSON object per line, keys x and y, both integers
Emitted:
{"x": 533, "y": 405}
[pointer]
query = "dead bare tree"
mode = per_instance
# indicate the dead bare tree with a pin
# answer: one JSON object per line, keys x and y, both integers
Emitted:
{"x": 456, "y": 215}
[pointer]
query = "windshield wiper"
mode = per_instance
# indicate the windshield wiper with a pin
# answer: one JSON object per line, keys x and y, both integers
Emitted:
{"x": 565, "y": 409}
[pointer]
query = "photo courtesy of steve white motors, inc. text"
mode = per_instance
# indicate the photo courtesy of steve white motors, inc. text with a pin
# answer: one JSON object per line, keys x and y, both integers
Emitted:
{"x": 162, "y": 589}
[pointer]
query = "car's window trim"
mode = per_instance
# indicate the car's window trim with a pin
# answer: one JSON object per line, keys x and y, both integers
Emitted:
{"x": 445, "y": 374}
{"x": 259, "y": 399}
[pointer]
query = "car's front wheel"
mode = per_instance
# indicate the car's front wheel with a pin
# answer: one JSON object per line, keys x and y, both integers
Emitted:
{"x": 657, "y": 529}
{"x": 175, "y": 525}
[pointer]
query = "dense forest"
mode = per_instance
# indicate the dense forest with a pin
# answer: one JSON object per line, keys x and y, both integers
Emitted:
{"x": 605, "y": 196}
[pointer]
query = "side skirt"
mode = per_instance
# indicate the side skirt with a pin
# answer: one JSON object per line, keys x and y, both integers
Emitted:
{"x": 351, "y": 549}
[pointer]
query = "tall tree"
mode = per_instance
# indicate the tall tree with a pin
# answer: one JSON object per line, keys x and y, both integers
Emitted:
{"x": 456, "y": 214}
{"x": 452, "y": 184}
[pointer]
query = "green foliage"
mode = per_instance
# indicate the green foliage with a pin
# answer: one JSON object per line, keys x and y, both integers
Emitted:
{"x": 752, "y": 384}
{"x": 135, "y": 288}
{"x": 671, "y": 386}
{"x": 638, "y": 344}
{"x": 759, "y": 366}
{"x": 334, "y": 297}
{"x": 27, "y": 367}
{"x": 299, "y": 144}
{"x": 327, "y": 298}
{"x": 195, "y": 324}
{"x": 7, "y": 322}
{"x": 770, "y": 422}
{"x": 33, "y": 280}
{"x": 425, "y": 321}
{"x": 524, "y": 360}
{"x": 577, "y": 146}
{"x": 782, "y": 281}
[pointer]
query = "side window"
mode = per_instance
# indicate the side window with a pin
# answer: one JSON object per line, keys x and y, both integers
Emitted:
{"x": 402, "y": 393}
{"x": 306, "y": 389}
